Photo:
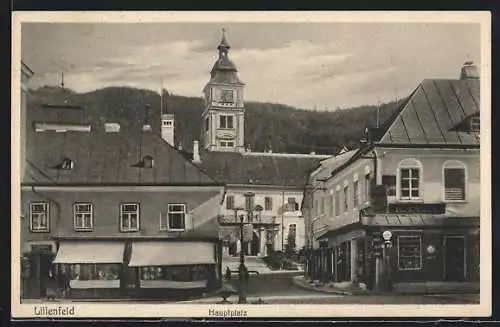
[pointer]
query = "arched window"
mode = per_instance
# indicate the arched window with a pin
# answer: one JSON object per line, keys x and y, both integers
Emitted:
{"x": 410, "y": 180}
{"x": 454, "y": 181}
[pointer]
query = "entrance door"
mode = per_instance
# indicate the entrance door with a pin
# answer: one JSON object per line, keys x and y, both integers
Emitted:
{"x": 45, "y": 265}
{"x": 255, "y": 246}
{"x": 454, "y": 265}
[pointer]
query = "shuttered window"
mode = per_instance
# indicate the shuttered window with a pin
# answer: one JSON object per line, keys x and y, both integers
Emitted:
{"x": 229, "y": 202}
{"x": 454, "y": 184}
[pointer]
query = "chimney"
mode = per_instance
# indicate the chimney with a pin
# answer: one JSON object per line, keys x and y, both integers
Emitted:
{"x": 167, "y": 128}
{"x": 196, "y": 152}
{"x": 469, "y": 71}
{"x": 112, "y": 127}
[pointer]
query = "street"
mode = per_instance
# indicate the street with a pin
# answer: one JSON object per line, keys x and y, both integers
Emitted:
{"x": 278, "y": 288}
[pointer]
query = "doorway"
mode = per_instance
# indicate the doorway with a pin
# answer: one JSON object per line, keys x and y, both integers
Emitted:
{"x": 45, "y": 260}
{"x": 454, "y": 258}
{"x": 255, "y": 244}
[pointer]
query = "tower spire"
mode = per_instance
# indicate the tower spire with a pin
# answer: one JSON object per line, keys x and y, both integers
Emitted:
{"x": 223, "y": 45}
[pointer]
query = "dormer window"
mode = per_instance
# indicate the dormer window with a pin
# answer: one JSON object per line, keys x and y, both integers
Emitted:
{"x": 67, "y": 164}
{"x": 475, "y": 123}
{"x": 148, "y": 161}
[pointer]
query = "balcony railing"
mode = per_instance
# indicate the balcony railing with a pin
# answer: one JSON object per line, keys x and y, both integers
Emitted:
{"x": 379, "y": 204}
{"x": 257, "y": 219}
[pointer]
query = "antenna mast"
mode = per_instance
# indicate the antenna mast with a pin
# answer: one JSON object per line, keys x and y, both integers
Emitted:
{"x": 161, "y": 97}
{"x": 62, "y": 80}
{"x": 378, "y": 113}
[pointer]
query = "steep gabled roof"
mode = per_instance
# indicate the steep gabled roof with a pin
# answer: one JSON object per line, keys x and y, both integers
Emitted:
{"x": 264, "y": 169}
{"x": 109, "y": 158}
{"x": 433, "y": 111}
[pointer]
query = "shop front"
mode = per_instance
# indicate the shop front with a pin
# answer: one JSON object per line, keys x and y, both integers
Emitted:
{"x": 387, "y": 250}
{"x": 94, "y": 269}
{"x": 175, "y": 269}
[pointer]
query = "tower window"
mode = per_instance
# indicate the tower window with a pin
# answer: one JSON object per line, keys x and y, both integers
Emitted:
{"x": 167, "y": 123}
{"x": 227, "y": 144}
{"x": 226, "y": 122}
{"x": 207, "y": 123}
{"x": 227, "y": 96}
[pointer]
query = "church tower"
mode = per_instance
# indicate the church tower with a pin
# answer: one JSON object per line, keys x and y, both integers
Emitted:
{"x": 224, "y": 114}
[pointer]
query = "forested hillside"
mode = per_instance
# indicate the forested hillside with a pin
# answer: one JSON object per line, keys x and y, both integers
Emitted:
{"x": 267, "y": 125}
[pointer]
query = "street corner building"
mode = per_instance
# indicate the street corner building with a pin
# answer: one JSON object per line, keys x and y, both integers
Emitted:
{"x": 402, "y": 210}
{"x": 114, "y": 213}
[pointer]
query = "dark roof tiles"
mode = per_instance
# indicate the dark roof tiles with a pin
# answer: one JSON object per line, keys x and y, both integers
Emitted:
{"x": 109, "y": 158}
{"x": 432, "y": 112}
{"x": 258, "y": 169}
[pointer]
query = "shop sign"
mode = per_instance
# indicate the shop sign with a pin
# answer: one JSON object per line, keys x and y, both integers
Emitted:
{"x": 417, "y": 208}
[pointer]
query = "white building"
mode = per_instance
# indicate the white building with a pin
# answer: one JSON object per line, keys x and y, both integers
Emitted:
{"x": 276, "y": 179}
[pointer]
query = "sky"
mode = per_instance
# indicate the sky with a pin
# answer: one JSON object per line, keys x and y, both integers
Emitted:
{"x": 307, "y": 65}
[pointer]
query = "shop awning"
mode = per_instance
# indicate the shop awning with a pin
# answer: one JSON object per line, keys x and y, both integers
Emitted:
{"x": 419, "y": 220}
{"x": 171, "y": 253}
{"x": 90, "y": 252}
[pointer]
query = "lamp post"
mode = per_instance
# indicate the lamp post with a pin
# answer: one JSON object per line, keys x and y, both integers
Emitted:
{"x": 242, "y": 298}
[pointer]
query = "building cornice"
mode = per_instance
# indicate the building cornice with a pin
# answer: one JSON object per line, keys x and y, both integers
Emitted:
{"x": 263, "y": 186}
{"x": 121, "y": 188}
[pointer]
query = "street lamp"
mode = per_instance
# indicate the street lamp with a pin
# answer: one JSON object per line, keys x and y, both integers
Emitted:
{"x": 242, "y": 298}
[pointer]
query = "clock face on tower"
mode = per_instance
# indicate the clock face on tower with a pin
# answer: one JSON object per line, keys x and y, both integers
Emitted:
{"x": 227, "y": 96}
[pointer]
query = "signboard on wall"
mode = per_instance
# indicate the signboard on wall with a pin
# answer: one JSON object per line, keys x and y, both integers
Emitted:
{"x": 247, "y": 232}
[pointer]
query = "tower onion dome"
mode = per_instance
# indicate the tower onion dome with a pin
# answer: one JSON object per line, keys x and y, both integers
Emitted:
{"x": 224, "y": 71}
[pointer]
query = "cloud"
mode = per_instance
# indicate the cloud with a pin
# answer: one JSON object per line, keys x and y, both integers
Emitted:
{"x": 304, "y": 65}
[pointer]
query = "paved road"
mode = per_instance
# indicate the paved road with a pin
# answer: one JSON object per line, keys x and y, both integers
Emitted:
{"x": 279, "y": 289}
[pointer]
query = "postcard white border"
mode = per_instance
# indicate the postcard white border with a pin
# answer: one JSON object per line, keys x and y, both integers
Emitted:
{"x": 95, "y": 310}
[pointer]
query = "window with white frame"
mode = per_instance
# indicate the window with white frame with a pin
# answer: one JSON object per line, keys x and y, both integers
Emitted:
{"x": 337, "y": 201}
{"x": 409, "y": 252}
{"x": 83, "y": 216}
{"x": 226, "y": 121}
{"x": 39, "y": 217}
{"x": 355, "y": 193}
{"x": 129, "y": 217}
{"x": 176, "y": 217}
{"x": 346, "y": 198}
{"x": 410, "y": 174}
{"x": 454, "y": 181}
